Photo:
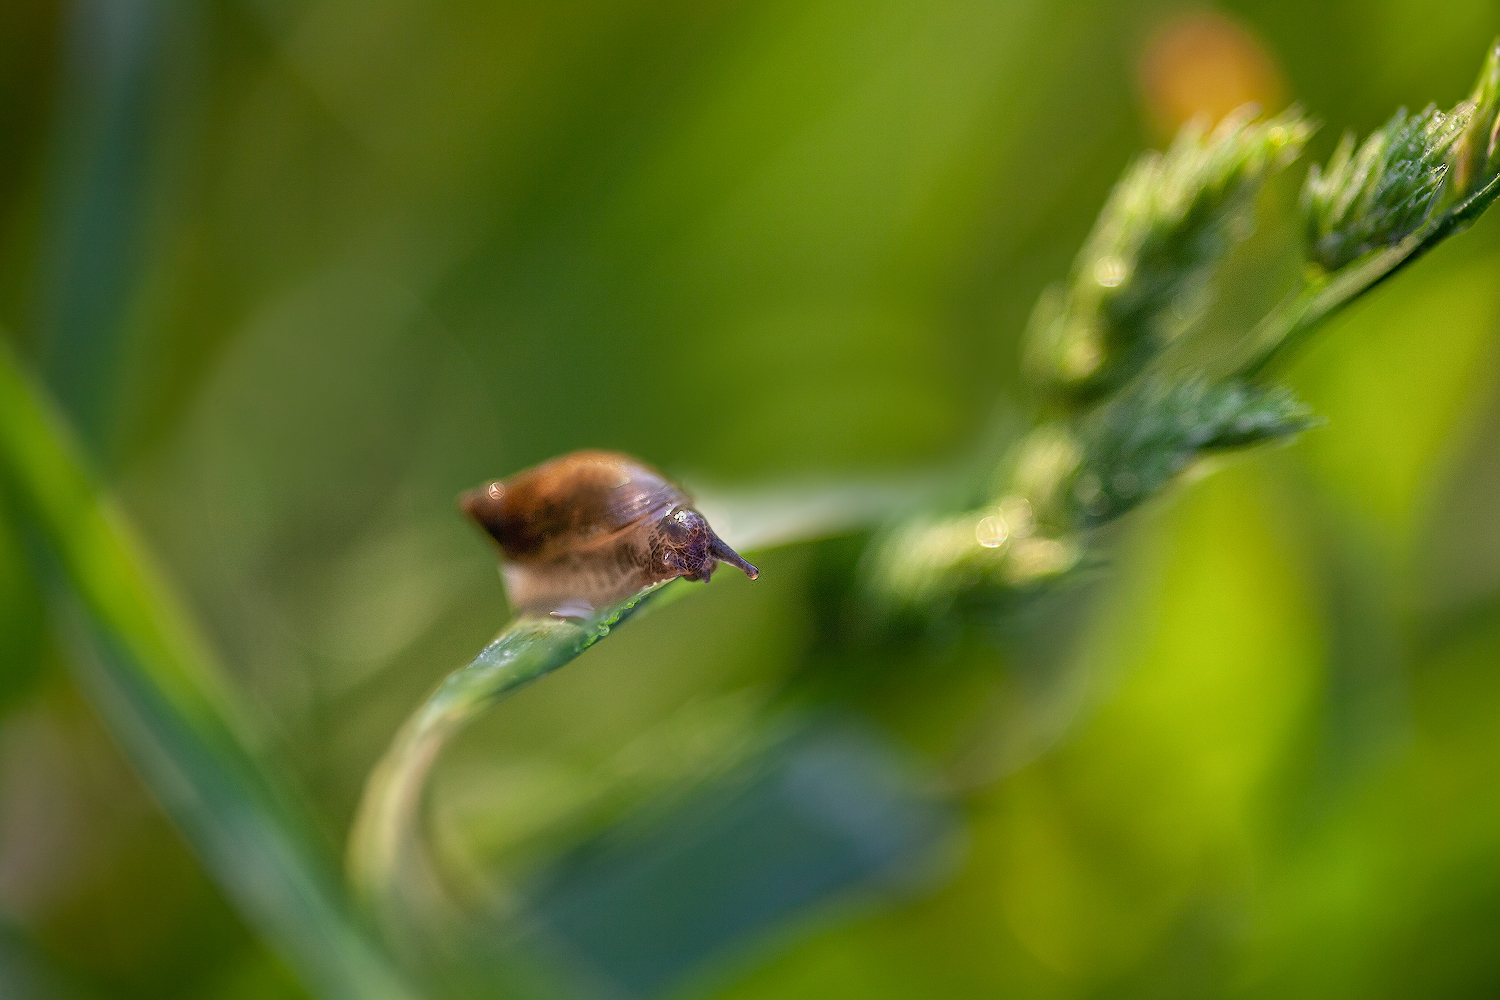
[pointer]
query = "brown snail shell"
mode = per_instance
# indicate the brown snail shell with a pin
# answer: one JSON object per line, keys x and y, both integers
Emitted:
{"x": 589, "y": 529}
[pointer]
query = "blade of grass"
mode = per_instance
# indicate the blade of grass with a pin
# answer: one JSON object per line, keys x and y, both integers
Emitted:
{"x": 388, "y": 863}
{"x": 157, "y": 688}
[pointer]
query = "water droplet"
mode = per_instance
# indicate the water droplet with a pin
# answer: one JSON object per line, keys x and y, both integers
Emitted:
{"x": 1110, "y": 271}
{"x": 991, "y": 532}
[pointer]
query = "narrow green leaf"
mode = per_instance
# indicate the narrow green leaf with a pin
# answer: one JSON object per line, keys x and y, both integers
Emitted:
{"x": 388, "y": 862}
{"x": 154, "y": 684}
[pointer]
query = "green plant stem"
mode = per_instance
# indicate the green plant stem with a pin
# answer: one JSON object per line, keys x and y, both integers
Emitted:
{"x": 388, "y": 860}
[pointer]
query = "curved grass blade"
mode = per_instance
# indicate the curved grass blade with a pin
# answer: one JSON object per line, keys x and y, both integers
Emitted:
{"x": 388, "y": 863}
{"x": 157, "y": 689}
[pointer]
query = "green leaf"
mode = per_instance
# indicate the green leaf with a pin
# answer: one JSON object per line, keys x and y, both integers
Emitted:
{"x": 388, "y": 862}
{"x": 154, "y": 684}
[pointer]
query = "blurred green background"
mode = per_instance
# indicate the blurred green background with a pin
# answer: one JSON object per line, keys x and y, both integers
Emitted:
{"x": 299, "y": 272}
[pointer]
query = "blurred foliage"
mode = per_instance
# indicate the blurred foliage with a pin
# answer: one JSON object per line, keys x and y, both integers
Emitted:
{"x": 1141, "y": 279}
{"x": 343, "y": 260}
{"x": 147, "y": 674}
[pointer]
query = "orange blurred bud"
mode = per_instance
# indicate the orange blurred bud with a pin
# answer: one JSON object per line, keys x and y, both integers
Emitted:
{"x": 1204, "y": 65}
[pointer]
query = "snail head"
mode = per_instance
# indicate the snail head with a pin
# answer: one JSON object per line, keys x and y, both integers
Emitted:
{"x": 687, "y": 545}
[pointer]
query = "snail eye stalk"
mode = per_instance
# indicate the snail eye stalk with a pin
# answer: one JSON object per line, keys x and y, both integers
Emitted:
{"x": 722, "y": 552}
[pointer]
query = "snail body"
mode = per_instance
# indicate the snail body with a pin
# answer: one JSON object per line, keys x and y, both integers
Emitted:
{"x": 591, "y": 528}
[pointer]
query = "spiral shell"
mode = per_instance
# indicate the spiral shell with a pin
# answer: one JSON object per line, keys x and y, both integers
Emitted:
{"x": 589, "y": 529}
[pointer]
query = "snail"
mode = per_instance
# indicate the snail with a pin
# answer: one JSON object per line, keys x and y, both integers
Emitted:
{"x": 589, "y": 529}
